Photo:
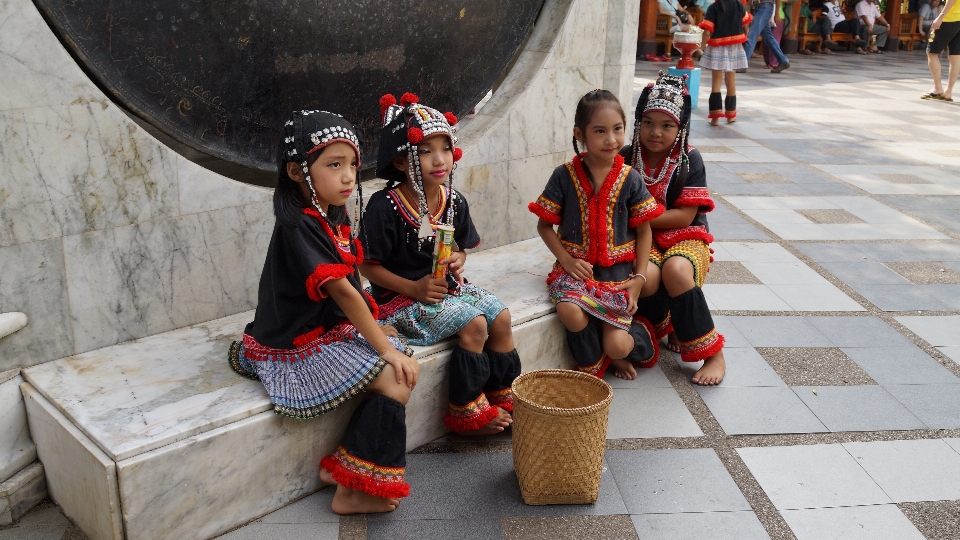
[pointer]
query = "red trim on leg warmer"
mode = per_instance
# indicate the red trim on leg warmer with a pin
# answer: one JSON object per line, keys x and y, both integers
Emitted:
{"x": 352, "y": 472}
{"x": 701, "y": 348}
{"x": 501, "y": 398}
{"x": 473, "y": 415}
{"x": 598, "y": 369}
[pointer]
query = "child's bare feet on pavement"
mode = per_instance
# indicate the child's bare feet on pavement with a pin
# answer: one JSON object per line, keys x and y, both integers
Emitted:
{"x": 714, "y": 121}
{"x": 623, "y": 369}
{"x": 352, "y": 501}
{"x": 498, "y": 424}
{"x": 326, "y": 478}
{"x": 673, "y": 344}
{"x": 712, "y": 371}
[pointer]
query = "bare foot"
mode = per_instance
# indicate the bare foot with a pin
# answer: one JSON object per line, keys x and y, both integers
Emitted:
{"x": 623, "y": 369}
{"x": 498, "y": 424}
{"x": 714, "y": 121}
{"x": 352, "y": 501}
{"x": 673, "y": 344}
{"x": 326, "y": 478}
{"x": 731, "y": 120}
{"x": 712, "y": 371}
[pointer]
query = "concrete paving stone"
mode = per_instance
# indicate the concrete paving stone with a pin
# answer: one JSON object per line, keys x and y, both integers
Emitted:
{"x": 800, "y": 231}
{"x": 744, "y": 298}
{"x": 745, "y": 367}
{"x": 857, "y": 408}
{"x": 900, "y": 365}
{"x": 649, "y": 413}
{"x": 759, "y": 410}
{"x": 863, "y": 272}
{"x": 646, "y": 378}
{"x": 758, "y": 252}
{"x": 954, "y": 443}
{"x": 818, "y": 297}
{"x": 948, "y": 294}
{"x": 952, "y": 353}
{"x": 936, "y": 405}
{"x": 814, "y": 366}
{"x": 730, "y": 273}
{"x": 784, "y": 273}
{"x": 569, "y": 528}
{"x": 284, "y": 531}
{"x": 672, "y": 481}
{"x": 903, "y": 297}
{"x": 696, "y": 526}
{"x": 880, "y": 522}
{"x": 913, "y": 251}
{"x": 780, "y": 332}
{"x": 310, "y": 509}
{"x": 744, "y": 231}
{"x": 511, "y": 503}
{"x": 911, "y": 471}
{"x": 446, "y": 486}
{"x": 46, "y": 523}
{"x": 731, "y": 335}
{"x": 926, "y": 272}
{"x": 811, "y": 476}
{"x": 825, "y": 253}
{"x": 858, "y": 332}
{"x": 936, "y": 520}
{"x": 420, "y": 529}
{"x": 935, "y": 330}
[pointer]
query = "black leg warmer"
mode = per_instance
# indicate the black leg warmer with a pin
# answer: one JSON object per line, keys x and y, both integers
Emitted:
{"x": 656, "y": 309}
{"x": 693, "y": 324}
{"x": 469, "y": 408}
{"x": 587, "y": 350}
{"x": 645, "y": 350}
{"x": 716, "y": 105}
{"x": 504, "y": 368}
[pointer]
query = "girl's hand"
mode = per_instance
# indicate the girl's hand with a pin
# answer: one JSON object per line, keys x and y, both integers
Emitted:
{"x": 430, "y": 290}
{"x": 633, "y": 293}
{"x": 388, "y": 330}
{"x": 455, "y": 264}
{"x": 577, "y": 268}
{"x": 408, "y": 370}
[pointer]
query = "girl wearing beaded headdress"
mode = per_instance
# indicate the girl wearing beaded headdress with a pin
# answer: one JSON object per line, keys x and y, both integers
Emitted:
{"x": 417, "y": 156}
{"x": 673, "y": 171}
{"x": 602, "y": 210}
{"x": 314, "y": 342}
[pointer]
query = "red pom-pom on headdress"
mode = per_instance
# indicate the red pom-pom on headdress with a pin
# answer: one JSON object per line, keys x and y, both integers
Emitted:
{"x": 451, "y": 118}
{"x": 385, "y": 102}
{"x": 457, "y": 154}
{"x": 408, "y": 98}
{"x": 415, "y": 135}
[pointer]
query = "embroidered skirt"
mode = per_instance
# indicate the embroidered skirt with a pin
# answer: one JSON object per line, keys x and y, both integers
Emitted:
{"x": 316, "y": 378}
{"x": 724, "y": 58}
{"x": 426, "y": 324}
{"x": 599, "y": 300}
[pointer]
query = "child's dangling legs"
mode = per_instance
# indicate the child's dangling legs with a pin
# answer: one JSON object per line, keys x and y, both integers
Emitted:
{"x": 684, "y": 268}
{"x": 368, "y": 466}
{"x": 595, "y": 344}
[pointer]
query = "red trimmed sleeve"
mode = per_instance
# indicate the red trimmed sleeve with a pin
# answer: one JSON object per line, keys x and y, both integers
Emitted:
{"x": 644, "y": 211}
{"x": 546, "y": 210}
{"x": 747, "y": 19}
{"x": 696, "y": 196}
{"x": 707, "y": 25}
{"x": 322, "y": 274}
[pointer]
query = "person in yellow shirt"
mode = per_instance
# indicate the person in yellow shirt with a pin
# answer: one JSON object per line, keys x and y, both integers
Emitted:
{"x": 944, "y": 34}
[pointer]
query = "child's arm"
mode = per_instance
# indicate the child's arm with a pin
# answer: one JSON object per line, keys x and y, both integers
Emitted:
{"x": 354, "y": 307}
{"x": 577, "y": 268}
{"x": 633, "y": 286}
{"x": 426, "y": 289}
{"x": 675, "y": 218}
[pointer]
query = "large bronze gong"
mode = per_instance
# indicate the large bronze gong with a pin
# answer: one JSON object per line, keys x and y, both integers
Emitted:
{"x": 220, "y": 77}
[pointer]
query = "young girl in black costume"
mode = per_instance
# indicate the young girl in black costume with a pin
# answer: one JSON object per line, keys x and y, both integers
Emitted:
{"x": 601, "y": 210}
{"x": 314, "y": 342}
{"x": 723, "y": 30}
{"x": 674, "y": 173}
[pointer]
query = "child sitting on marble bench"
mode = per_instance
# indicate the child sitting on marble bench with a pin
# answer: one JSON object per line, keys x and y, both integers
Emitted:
{"x": 417, "y": 155}
{"x": 314, "y": 342}
{"x": 602, "y": 210}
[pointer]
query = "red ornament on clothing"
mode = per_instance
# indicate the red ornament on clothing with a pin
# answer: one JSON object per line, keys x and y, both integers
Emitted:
{"x": 457, "y": 154}
{"x": 415, "y": 135}
{"x": 408, "y": 98}
{"x": 385, "y": 102}
{"x": 451, "y": 118}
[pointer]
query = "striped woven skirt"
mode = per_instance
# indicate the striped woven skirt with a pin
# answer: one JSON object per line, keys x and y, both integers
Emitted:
{"x": 316, "y": 378}
{"x": 425, "y": 324}
{"x": 724, "y": 58}
{"x": 598, "y": 299}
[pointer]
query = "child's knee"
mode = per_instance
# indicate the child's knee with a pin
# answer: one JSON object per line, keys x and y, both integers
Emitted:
{"x": 618, "y": 344}
{"x": 475, "y": 331}
{"x": 501, "y": 324}
{"x": 386, "y": 384}
{"x": 572, "y": 316}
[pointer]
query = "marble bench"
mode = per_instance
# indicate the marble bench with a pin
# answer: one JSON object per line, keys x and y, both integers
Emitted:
{"x": 158, "y": 438}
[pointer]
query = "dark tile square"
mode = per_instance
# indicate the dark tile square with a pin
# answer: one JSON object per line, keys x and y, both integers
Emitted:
{"x": 780, "y": 332}
{"x": 511, "y": 501}
{"x": 936, "y": 405}
{"x": 421, "y": 529}
{"x": 857, "y": 408}
{"x": 569, "y": 528}
{"x": 730, "y": 272}
{"x": 859, "y": 332}
{"x": 823, "y": 253}
{"x": 671, "y": 481}
{"x": 830, "y": 216}
{"x": 900, "y": 365}
{"x": 926, "y": 272}
{"x": 864, "y": 272}
{"x": 814, "y": 366}
{"x": 697, "y": 526}
{"x": 447, "y": 486}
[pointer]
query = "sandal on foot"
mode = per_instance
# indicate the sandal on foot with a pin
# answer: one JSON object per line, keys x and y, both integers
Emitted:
{"x": 932, "y": 95}
{"x": 828, "y": 51}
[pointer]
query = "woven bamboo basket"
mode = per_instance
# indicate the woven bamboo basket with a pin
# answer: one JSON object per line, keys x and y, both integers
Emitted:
{"x": 559, "y": 435}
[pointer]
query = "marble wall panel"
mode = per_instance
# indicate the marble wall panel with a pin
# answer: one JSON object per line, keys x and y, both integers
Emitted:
{"x": 22, "y": 492}
{"x": 527, "y": 180}
{"x": 553, "y": 16}
{"x": 16, "y": 447}
{"x": 621, "y": 43}
{"x": 532, "y": 125}
{"x": 81, "y": 479}
{"x": 33, "y": 280}
{"x": 210, "y": 483}
{"x": 22, "y": 29}
{"x": 201, "y": 190}
{"x": 130, "y": 282}
{"x": 582, "y": 43}
{"x": 572, "y": 84}
{"x": 484, "y": 186}
{"x": 79, "y": 168}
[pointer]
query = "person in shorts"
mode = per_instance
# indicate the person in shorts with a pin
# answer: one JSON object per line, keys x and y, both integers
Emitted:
{"x": 944, "y": 34}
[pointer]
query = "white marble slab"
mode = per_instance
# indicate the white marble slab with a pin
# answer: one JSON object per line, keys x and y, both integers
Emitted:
{"x": 21, "y": 492}
{"x": 81, "y": 479}
{"x": 16, "y": 447}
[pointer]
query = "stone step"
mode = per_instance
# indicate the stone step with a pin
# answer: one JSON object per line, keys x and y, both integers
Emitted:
{"x": 159, "y": 438}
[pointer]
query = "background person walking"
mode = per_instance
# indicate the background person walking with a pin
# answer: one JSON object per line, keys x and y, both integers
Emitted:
{"x": 761, "y": 27}
{"x": 944, "y": 33}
